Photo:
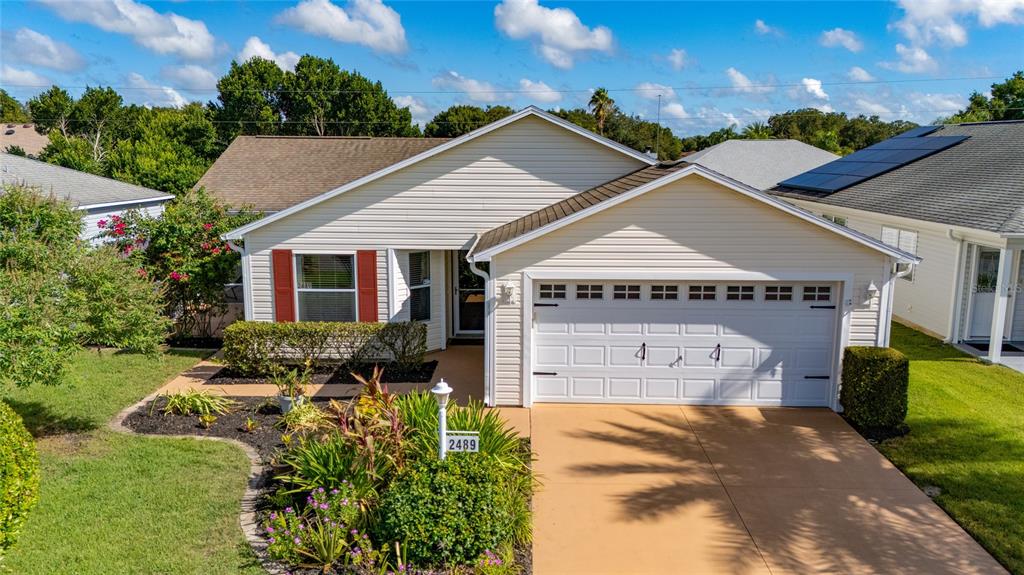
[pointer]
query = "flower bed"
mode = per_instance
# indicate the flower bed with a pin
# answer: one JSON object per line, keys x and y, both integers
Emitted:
{"x": 329, "y": 374}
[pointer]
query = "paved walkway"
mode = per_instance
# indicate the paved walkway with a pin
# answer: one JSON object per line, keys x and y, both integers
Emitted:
{"x": 662, "y": 490}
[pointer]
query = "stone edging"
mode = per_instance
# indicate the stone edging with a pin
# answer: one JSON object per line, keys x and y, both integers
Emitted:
{"x": 254, "y": 488}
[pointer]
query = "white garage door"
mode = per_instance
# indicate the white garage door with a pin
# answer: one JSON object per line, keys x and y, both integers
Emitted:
{"x": 710, "y": 343}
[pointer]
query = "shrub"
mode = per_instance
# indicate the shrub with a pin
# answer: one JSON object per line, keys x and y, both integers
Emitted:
{"x": 874, "y": 391}
{"x": 19, "y": 475}
{"x": 254, "y": 348}
{"x": 447, "y": 512}
{"x": 329, "y": 461}
{"x": 322, "y": 534}
{"x": 304, "y": 417}
{"x": 194, "y": 402}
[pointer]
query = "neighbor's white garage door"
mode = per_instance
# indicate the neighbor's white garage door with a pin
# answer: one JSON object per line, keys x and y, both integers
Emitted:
{"x": 711, "y": 343}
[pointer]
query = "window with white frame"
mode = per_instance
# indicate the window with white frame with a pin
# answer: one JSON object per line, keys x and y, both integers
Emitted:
{"x": 702, "y": 292}
{"x": 325, "y": 286}
{"x": 419, "y": 286}
{"x": 552, "y": 291}
{"x": 739, "y": 293}
{"x": 630, "y": 291}
{"x": 589, "y": 291}
{"x": 778, "y": 293}
{"x": 660, "y": 292}
{"x": 905, "y": 240}
{"x": 841, "y": 220}
{"x": 817, "y": 293}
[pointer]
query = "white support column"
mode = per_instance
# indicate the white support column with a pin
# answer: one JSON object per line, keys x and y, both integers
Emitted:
{"x": 1004, "y": 282}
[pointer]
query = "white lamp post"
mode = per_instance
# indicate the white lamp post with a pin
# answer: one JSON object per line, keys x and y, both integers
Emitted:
{"x": 441, "y": 392}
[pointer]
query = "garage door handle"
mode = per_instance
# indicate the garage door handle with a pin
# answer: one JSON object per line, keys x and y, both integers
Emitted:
{"x": 545, "y": 373}
{"x": 718, "y": 352}
{"x": 643, "y": 351}
{"x": 545, "y": 305}
{"x": 817, "y": 377}
{"x": 823, "y": 307}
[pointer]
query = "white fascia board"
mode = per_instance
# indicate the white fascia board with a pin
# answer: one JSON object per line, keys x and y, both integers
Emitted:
{"x": 125, "y": 203}
{"x": 735, "y": 185}
{"x": 238, "y": 233}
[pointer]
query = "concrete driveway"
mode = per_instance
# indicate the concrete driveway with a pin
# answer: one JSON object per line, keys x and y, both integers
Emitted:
{"x": 652, "y": 489}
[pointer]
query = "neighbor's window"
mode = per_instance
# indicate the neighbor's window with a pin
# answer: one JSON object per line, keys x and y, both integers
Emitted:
{"x": 739, "y": 293}
{"x": 552, "y": 291}
{"x": 701, "y": 292}
{"x": 905, "y": 240}
{"x": 589, "y": 291}
{"x": 326, "y": 287}
{"x": 419, "y": 286}
{"x": 817, "y": 293}
{"x": 664, "y": 292}
{"x": 778, "y": 293}
{"x": 626, "y": 292}
{"x": 835, "y": 219}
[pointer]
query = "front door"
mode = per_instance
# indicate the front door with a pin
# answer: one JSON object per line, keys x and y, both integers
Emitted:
{"x": 469, "y": 297}
{"x": 983, "y": 297}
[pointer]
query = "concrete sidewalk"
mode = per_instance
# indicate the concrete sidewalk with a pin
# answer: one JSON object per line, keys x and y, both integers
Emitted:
{"x": 652, "y": 489}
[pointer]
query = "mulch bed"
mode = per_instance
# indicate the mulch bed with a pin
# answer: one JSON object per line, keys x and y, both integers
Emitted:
{"x": 332, "y": 374}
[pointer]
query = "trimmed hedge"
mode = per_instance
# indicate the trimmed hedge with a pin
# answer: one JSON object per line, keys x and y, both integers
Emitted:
{"x": 253, "y": 348}
{"x": 874, "y": 391}
{"x": 19, "y": 475}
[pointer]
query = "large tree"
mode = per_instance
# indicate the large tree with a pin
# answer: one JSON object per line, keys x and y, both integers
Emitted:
{"x": 310, "y": 94}
{"x": 51, "y": 110}
{"x": 602, "y": 106}
{"x": 92, "y": 116}
{"x": 460, "y": 119}
{"x": 363, "y": 108}
{"x": 249, "y": 99}
{"x": 1006, "y": 103}
{"x": 11, "y": 109}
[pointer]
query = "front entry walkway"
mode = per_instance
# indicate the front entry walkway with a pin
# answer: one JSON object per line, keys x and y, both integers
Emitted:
{"x": 660, "y": 489}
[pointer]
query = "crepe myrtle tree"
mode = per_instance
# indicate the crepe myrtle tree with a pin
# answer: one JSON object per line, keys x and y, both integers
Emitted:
{"x": 183, "y": 251}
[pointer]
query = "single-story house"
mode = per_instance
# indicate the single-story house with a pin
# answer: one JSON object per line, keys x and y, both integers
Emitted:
{"x": 953, "y": 195}
{"x": 761, "y": 164}
{"x": 592, "y": 272}
{"x": 96, "y": 196}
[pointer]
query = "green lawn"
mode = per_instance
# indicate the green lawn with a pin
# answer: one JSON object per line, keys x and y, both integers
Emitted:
{"x": 114, "y": 503}
{"x": 966, "y": 437}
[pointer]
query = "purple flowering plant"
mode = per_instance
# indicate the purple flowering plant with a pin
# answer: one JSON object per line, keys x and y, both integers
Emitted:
{"x": 323, "y": 533}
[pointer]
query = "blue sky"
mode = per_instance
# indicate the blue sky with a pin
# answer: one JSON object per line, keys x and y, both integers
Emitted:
{"x": 713, "y": 63}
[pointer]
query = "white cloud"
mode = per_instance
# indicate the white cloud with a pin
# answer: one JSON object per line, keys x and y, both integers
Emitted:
{"x": 675, "y": 110}
{"x": 538, "y": 91}
{"x": 926, "y": 106}
{"x": 758, "y": 114}
{"x": 190, "y": 77}
{"x": 743, "y": 85}
{"x": 651, "y": 91}
{"x": 30, "y": 47}
{"x": 153, "y": 94}
{"x": 254, "y": 47}
{"x": 475, "y": 90}
{"x": 163, "y": 33}
{"x": 868, "y": 107}
{"x": 16, "y": 77}
{"x": 858, "y": 74}
{"x": 765, "y": 30}
{"x": 366, "y": 22}
{"x": 677, "y": 59}
{"x": 813, "y": 87}
{"x": 557, "y": 33}
{"x": 421, "y": 112}
{"x": 913, "y": 60}
{"x": 841, "y": 37}
{"x": 925, "y": 22}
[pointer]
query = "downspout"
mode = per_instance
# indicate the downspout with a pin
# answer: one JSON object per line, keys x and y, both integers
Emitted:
{"x": 489, "y": 341}
{"x": 958, "y": 287}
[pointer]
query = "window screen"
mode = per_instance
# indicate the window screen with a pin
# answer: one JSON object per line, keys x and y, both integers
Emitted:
{"x": 325, "y": 287}
{"x": 419, "y": 286}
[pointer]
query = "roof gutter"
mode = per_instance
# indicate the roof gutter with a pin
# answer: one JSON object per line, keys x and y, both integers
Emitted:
{"x": 125, "y": 202}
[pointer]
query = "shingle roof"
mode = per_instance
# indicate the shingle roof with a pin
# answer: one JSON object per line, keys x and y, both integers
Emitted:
{"x": 272, "y": 173}
{"x": 79, "y": 188}
{"x": 761, "y": 164}
{"x": 978, "y": 183}
{"x": 576, "y": 203}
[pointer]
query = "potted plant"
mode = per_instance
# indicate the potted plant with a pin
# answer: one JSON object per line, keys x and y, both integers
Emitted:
{"x": 291, "y": 386}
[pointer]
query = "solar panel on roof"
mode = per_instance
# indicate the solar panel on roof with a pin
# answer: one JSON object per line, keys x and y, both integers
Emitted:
{"x": 872, "y": 161}
{"x": 918, "y": 132}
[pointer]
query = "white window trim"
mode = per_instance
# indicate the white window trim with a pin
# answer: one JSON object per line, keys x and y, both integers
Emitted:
{"x": 426, "y": 286}
{"x": 355, "y": 280}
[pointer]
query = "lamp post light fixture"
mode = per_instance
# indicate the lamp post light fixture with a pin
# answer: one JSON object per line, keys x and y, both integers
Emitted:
{"x": 441, "y": 392}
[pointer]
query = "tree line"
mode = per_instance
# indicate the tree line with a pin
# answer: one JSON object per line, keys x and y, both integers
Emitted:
{"x": 170, "y": 148}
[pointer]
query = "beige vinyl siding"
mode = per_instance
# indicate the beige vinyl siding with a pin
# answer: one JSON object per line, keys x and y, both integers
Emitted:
{"x": 691, "y": 225}
{"x": 928, "y": 300}
{"x": 441, "y": 202}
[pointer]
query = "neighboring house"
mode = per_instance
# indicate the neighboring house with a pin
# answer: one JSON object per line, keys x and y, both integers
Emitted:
{"x": 954, "y": 195}
{"x": 96, "y": 196}
{"x": 592, "y": 273}
{"x": 761, "y": 164}
{"x": 24, "y": 136}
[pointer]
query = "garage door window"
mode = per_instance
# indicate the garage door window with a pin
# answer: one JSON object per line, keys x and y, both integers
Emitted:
{"x": 552, "y": 291}
{"x": 778, "y": 293}
{"x": 589, "y": 291}
{"x": 664, "y": 292}
{"x": 626, "y": 292}
{"x": 702, "y": 292}
{"x": 739, "y": 293}
{"x": 817, "y": 293}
